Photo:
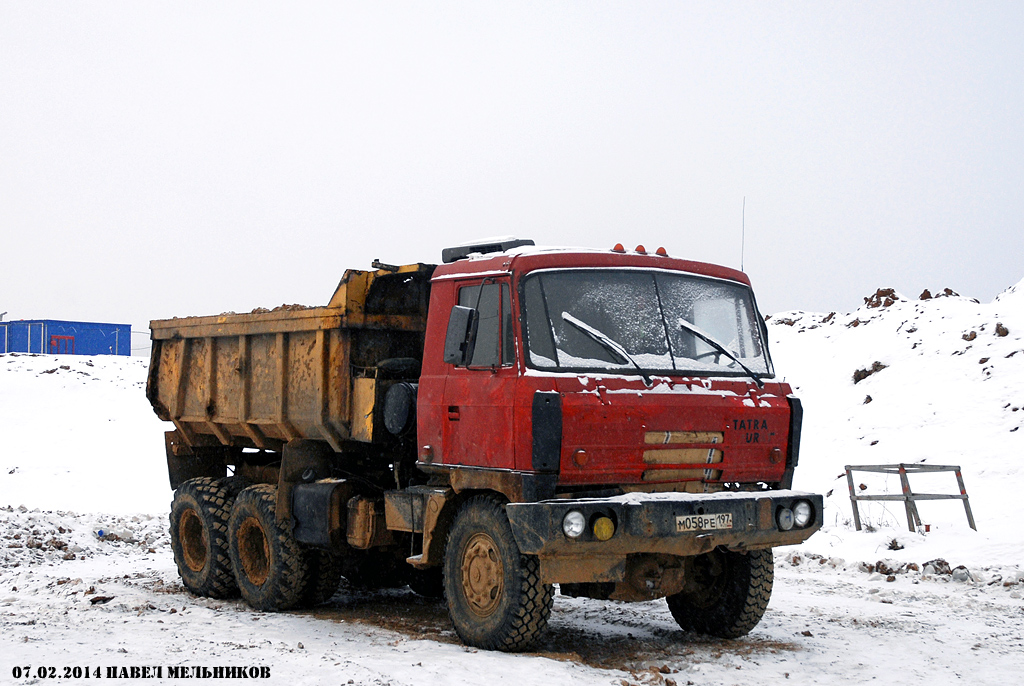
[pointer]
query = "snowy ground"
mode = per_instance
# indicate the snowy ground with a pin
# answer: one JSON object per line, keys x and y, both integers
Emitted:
{"x": 119, "y": 603}
{"x": 846, "y": 607}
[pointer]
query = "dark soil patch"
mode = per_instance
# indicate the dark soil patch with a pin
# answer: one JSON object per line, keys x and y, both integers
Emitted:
{"x": 862, "y": 374}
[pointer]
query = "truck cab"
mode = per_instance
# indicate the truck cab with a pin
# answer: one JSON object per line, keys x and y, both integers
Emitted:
{"x": 585, "y": 370}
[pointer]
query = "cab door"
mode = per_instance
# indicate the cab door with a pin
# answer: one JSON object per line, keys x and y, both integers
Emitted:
{"x": 478, "y": 396}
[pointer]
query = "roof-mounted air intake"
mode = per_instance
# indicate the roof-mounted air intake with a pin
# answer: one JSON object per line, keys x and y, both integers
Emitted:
{"x": 460, "y": 252}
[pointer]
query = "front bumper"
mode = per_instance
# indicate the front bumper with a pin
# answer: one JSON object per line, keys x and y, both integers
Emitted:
{"x": 655, "y": 523}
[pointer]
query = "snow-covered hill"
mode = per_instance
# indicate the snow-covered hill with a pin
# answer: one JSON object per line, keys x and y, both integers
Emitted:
{"x": 951, "y": 392}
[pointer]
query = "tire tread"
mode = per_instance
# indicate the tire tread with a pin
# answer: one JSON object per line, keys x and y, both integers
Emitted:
{"x": 528, "y": 619}
{"x": 323, "y": 576}
{"x": 748, "y": 592}
{"x": 286, "y": 585}
{"x": 214, "y": 503}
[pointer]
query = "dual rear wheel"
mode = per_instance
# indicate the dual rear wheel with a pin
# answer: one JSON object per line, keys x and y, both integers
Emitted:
{"x": 226, "y": 540}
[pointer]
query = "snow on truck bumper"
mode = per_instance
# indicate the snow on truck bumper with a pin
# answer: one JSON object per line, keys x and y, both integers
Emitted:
{"x": 680, "y": 524}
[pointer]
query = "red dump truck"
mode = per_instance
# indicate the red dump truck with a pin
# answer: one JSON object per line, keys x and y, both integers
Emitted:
{"x": 481, "y": 430}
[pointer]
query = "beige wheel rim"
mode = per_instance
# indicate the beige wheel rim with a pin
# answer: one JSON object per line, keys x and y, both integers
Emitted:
{"x": 254, "y": 551}
{"x": 193, "y": 538}
{"x": 483, "y": 577}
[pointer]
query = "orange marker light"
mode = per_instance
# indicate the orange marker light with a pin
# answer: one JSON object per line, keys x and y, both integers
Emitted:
{"x": 641, "y": 249}
{"x": 662, "y": 252}
{"x": 618, "y": 248}
{"x": 604, "y": 528}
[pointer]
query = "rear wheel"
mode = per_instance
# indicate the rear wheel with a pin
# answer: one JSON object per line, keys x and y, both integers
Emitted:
{"x": 233, "y": 485}
{"x": 199, "y": 537}
{"x": 726, "y": 592}
{"x": 270, "y": 566}
{"x": 323, "y": 575}
{"x": 495, "y": 596}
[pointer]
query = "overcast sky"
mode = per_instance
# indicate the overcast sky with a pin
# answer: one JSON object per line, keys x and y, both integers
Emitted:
{"x": 162, "y": 159}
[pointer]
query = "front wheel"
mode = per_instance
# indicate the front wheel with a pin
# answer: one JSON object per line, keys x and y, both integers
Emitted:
{"x": 495, "y": 596}
{"x": 726, "y": 593}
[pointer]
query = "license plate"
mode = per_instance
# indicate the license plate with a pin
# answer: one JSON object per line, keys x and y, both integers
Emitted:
{"x": 703, "y": 522}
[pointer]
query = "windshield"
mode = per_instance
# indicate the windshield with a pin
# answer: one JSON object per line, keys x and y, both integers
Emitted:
{"x": 583, "y": 320}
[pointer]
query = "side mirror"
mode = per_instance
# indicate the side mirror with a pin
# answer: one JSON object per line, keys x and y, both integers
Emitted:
{"x": 461, "y": 336}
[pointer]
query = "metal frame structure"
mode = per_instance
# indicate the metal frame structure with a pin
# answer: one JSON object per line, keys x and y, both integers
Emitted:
{"x": 908, "y": 497}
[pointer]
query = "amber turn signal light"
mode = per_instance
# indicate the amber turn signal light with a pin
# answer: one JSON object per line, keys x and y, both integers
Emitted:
{"x": 604, "y": 528}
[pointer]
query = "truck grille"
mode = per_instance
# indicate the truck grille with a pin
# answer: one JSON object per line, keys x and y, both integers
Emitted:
{"x": 702, "y": 452}
{"x": 669, "y": 437}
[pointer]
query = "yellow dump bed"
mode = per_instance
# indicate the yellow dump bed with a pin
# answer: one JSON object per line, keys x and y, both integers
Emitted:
{"x": 263, "y": 378}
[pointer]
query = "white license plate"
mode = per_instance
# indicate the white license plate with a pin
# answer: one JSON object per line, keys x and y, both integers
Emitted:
{"x": 703, "y": 522}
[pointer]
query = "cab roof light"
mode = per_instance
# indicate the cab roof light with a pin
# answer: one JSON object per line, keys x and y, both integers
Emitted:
{"x": 641, "y": 249}
{"x": 459, "y": 252}
{"x": 661, "y": 251}
{"x": 618, "y": 248}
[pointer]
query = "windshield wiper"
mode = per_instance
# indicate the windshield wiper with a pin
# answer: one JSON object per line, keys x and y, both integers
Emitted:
{"x": 608, "y": 344}
{"x": 687, "y": 326}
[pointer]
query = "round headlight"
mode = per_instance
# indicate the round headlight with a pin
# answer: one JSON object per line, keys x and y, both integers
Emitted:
{"x": 574, "y": 524}
{"x": 802, "y": 514}
{"x": 604, "y": 528}
{"x": 785, "y": 518}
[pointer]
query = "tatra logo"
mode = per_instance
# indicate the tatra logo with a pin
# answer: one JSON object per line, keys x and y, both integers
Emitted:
{"x": 750, "y": 424}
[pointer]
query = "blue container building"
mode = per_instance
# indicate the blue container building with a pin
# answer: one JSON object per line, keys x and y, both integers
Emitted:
{"x": 57, "y": 337}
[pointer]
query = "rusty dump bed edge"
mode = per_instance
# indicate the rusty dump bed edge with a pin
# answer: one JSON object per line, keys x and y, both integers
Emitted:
{"x": 311, "y": 319}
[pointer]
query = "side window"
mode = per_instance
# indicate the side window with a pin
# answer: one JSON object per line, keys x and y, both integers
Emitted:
{"x": 494, "y": 328}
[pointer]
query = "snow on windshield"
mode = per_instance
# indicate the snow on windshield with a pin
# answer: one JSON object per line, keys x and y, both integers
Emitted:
{"x": 576, "y": 319}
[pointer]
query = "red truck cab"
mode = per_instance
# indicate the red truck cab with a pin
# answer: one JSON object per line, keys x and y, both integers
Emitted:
{"x": 614, "y": 416}
{"x": 672, "y": 413}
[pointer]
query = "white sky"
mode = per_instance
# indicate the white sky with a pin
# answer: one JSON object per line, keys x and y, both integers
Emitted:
{"x": 163, "y": 159}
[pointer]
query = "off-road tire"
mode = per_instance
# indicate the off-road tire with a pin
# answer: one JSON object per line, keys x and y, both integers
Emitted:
{"x": 323, "y": 576}
{"x": 234, "y": 485}
{"x": 727, "y": 593}
{"x": 495, "y": 596}
{"x": 270, "y": 566}
{"x": 199, "y": 537}
{"x": 427, "y": 583}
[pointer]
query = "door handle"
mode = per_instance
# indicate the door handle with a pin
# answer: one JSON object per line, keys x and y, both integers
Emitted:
{"x": 453, "y": 413}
